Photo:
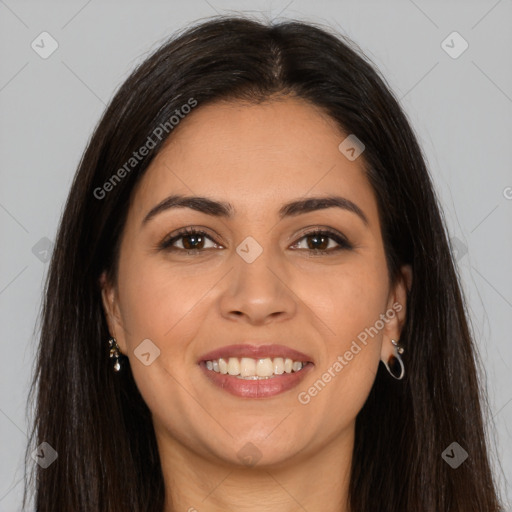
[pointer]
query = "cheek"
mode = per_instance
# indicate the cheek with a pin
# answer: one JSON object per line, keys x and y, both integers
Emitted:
{"x": 163, "y": 306}
{"x": 348, "y": 300}
{"x": 157, "y": 298}
{"x": 171, "y": 399}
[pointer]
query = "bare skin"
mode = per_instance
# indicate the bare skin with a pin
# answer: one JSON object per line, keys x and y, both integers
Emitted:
{"x": 257, "y": 158}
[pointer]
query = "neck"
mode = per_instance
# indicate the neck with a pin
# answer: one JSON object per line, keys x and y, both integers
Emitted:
{"x": 306, "y": 481}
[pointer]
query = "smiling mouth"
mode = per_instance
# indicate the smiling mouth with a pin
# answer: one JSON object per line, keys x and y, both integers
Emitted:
{"x": 251, "y": 386}
{"x": 249, "y": 368}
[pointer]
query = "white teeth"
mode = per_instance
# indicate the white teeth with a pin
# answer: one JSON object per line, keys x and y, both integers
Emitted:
{"x": 278, "y": 365}
{"x": 296, "y": 366}
{"x": 265, "y": 367}
{"x": 223, "y": 366}
{"x": 234, "y": 366}
{"x": 247, "y": 367}
{"x": 252, "y": 369}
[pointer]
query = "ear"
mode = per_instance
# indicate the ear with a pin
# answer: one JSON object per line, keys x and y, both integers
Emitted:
{"x": 112, "y": 312}
{"x": 396, "y": 311}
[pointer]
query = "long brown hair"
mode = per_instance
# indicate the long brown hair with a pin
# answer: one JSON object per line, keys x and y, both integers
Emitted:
{"x": 98, "y": 422}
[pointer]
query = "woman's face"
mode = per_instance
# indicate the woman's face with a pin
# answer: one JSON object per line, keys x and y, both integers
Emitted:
{"x": 255, "y": 277}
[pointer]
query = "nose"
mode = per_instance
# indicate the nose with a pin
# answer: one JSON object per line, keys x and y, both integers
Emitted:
{"x": 259, "y": 292}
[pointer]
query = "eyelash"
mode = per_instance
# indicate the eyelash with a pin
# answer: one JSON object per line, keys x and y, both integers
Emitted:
{"x": 166, "y": 244}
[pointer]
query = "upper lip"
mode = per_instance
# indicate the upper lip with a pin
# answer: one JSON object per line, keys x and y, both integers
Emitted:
{"x": 255, "y": 352}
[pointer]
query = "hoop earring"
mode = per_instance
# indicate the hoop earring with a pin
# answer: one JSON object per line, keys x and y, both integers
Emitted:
{"x": 394, "y": 364}
{"x": 115, "y": 352}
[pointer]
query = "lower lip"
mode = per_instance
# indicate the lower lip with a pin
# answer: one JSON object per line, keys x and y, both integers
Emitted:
{"x": 263, "y": 388}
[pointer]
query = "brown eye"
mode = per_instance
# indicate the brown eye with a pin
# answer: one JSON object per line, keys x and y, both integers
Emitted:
{"x": 318, "y": 242}
{"x": 192, "y": 240}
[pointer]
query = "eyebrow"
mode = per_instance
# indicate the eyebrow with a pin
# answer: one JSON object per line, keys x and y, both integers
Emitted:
{"x": 226, "y": 210}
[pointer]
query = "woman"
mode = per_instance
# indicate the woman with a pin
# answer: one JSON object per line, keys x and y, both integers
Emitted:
{"x": 252, "y": 230}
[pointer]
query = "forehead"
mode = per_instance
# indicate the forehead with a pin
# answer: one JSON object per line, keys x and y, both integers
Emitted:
{"x": 254, "y": 156}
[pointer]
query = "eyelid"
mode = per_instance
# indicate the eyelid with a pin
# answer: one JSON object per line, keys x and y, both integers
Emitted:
{"x": 333, "y": 234}
{"x": 318, "y": 228}
{"x": 182, "y": 233}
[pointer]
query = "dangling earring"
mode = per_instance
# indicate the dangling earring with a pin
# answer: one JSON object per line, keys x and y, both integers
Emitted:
{"x": 115, "y": 352}
{"x": 395, "y": 365}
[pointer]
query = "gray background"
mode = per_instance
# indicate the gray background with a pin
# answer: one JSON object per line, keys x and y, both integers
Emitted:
{"x": 460, "y": 108}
